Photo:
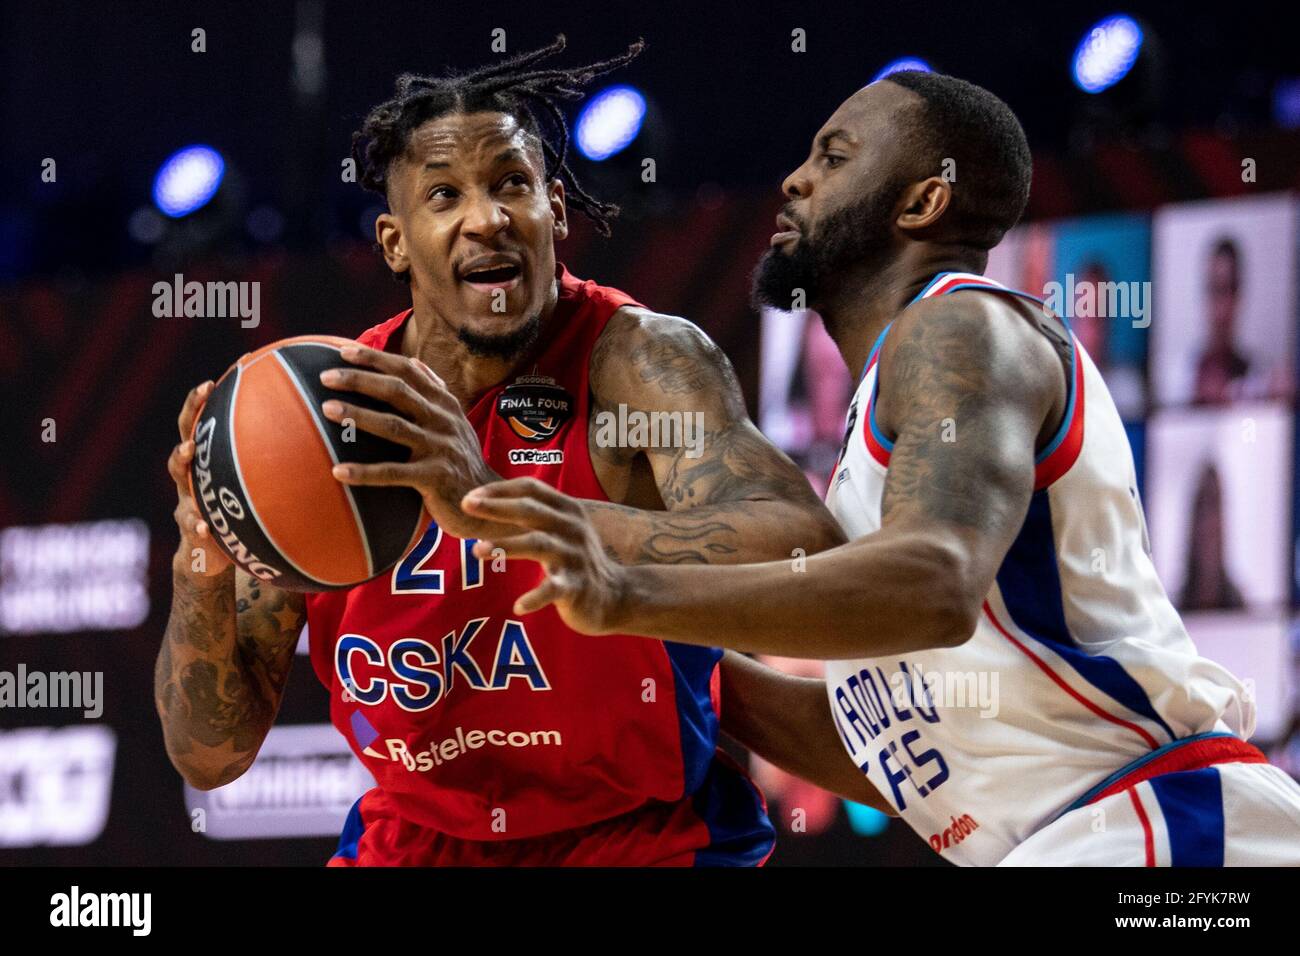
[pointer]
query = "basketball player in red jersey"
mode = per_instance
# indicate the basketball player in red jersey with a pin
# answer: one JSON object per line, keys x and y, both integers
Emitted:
{"x": 494, "y": 741}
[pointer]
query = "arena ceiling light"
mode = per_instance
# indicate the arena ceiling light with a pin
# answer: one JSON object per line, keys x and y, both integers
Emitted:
{"x": 610, "y": 122}
{"x": 188, "y": 180}
{"x": 1107, "y": 53}
{"x": 903, "y": 63}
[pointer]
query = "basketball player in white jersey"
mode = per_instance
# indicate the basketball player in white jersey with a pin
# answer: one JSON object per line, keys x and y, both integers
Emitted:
{"x": 1004, "y": 668}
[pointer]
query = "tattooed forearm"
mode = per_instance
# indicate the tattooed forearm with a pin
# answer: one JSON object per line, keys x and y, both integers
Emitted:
{"x": 267, "y": 628}
{"x": 220, "y": 705}
{"x": 702, "y": 536}
{"x": 220, "y": 675}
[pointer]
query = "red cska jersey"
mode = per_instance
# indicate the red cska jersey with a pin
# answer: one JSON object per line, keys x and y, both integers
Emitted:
{"x": 485, "y": 726}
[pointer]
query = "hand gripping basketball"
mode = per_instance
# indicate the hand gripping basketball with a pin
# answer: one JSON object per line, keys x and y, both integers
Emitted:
{"x": 446, "y": 459}
{"x": 261, "y": 473}
{"x": 198, "y": 554}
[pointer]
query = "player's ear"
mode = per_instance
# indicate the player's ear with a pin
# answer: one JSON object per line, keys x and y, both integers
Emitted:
{"x": 559, "y": 214}
{"x": 924, "y": 203}
{"x": 392, "y": 242}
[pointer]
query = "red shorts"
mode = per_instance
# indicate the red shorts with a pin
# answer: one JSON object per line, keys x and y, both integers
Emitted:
{"x": 723, "y": 824}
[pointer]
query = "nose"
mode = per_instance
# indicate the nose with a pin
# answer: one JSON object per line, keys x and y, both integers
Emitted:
{"x": 797, "y": 185}
{"x": 484, "y": 217}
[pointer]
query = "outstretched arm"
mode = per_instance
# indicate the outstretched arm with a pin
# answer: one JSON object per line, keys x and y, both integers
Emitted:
{"x": 786, "y": 720}
{"x": 730, "y": 495}
{"x": 951, "y": 510}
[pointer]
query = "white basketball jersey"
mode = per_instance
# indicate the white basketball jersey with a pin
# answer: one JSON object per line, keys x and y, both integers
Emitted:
{"x": 1078, "y": 666}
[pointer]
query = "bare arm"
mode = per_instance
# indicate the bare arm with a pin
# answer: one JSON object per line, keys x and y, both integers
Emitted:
{"x": 229, "y": 643}
{"x": 787, "y": 721}
{"x": 729, "y": 494}
{"x": 951, "y": 509}
{"x": 222, "y": 671}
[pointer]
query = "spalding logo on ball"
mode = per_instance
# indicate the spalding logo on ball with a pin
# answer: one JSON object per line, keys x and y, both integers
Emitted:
{"x": 261, "y": 474}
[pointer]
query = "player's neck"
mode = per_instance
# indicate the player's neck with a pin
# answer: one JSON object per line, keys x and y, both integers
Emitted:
{"x": 865, "y": 304}
{"x": 467, "y": 375}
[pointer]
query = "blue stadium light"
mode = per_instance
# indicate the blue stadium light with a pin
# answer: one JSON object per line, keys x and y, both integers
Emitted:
{"x": 904, "y": 63}
{"x": 188, "y": 180}
{"x": 610, "y": 122}
{"x": 864, "y": 820}
{"x": 1106, "y": 53}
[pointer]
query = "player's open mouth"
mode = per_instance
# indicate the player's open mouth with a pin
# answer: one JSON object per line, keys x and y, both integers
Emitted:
{"x": 490, "y": 276}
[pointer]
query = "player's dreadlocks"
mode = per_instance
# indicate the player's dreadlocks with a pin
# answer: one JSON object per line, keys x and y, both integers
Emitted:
{"x": 508, "y": 86}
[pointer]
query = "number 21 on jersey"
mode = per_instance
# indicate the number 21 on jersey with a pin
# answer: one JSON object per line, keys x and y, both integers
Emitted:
{"x": 412, "y": 577}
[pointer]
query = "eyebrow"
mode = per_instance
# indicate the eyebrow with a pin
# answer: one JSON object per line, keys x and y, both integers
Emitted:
{"x": 824, "y": 140}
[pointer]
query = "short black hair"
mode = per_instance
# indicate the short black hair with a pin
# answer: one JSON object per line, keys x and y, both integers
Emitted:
{"x": 510, "y": 86}
{"x": 993, "y": 166}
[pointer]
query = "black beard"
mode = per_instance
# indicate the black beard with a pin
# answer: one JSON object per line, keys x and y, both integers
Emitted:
{"x": 506, "y": 347}
{"x": 852, "y": 240}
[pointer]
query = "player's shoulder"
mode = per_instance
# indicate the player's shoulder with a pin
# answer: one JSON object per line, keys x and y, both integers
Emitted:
{"x": 642, "y": 349}
{"x": 984, "y": 347}
{"x": 637, "y": 324}
{"x": 980, "y": 311}
{"x": 972, "y": 330}
{"x": 635, "y": 333}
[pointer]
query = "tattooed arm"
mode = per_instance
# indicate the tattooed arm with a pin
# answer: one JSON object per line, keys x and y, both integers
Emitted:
{"x": 230, "y": 640}
{"x": 730, "y": 495}
{"x": 951, "y": 510}
{"x": 222, "y": 671}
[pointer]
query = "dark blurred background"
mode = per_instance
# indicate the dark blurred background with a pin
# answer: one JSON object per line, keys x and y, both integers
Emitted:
{"x": 94, "y": 99}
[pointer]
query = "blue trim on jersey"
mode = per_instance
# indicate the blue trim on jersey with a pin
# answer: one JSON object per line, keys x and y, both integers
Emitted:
{"x": 875, "y": 391}
{"x": 871, "y": 418}
{"x": 740, "y": 834}
{"x": 880, "y": 340}
{"x": 1030, "y": 582}
{"x": 351, "y": 835}
{"x": 1192, "y": 804}
{"x": 1137, "y": 764}
{"x": 996, "y": 287}
{"x": 1064, "y": 429}
{"x": 697, "y": 723}
{"x": 1068, "y": 418}
{"x": 930, "y": 285}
